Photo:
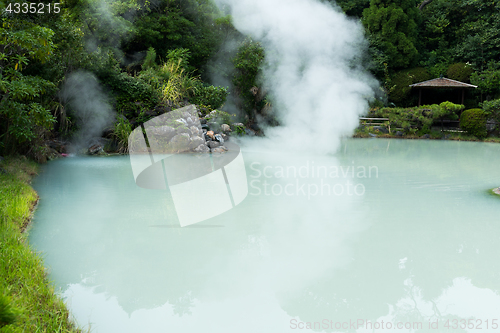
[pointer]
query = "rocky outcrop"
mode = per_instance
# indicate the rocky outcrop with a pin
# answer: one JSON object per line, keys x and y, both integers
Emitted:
{"x": 182, "y": 130}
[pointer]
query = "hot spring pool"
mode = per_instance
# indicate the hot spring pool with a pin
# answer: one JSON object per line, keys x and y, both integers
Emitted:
{"x": 386, "y": 235}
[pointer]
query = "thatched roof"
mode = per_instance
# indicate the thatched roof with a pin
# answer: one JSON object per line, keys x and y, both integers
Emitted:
{"x": 442, "y": 82}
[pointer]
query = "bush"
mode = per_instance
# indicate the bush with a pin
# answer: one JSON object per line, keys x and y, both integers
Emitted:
{"x": 492, "y": 109}
{"x": 248, "y": 63}
{"x": 417, "y": 118}
{"x": 450, "y": 110}
{"x": 211, "y": 96}
{"x": 474, "y": 122}
{"x": 220, "y": 117}
{"x": 121, "y": 132}
{"x": 460, "y": 72}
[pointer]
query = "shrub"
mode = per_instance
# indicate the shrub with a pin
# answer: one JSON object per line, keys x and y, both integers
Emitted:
{"x": 450, "y": 110}
{"x": 220, "y": 117}
{"x": 474, "y": 122}
{"x": 121, "y": 132}
{"x": 492, "y": 109}
{"x": 460, "y": 72}
{"x": 417, "y": 118}
{"x": 171, "y": 81}
{"x": 128, "y": 90}
{"x": 208, "y": 95}
{"x": 248, "y": 63}
{"x": 149, "y": 60}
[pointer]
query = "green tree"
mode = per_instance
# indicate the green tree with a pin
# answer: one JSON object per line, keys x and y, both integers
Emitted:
{"x": 392, "y": 29}
{"x": 248, "y": 62}
{"x": 353, "y": 7}
{"x": 23, "y": 114}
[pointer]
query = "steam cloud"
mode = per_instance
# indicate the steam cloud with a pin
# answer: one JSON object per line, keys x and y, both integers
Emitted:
{"x": 82, "y": 93}
{"x": 314, "y": 71}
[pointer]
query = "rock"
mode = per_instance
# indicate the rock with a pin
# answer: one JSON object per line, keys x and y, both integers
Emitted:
{"x": 196, "y": 141}
{"x": 1, "y": 159}
{"x": 249, "y": 132}
{"x": 218, "y": 150}
{"x": 219, "y": 138}
{"x": 58, "y": 145}
{"x": 194, "y": 130}
{"x": 224, "y": 136}
{"x": 96, "y": 146}
{"x": 381, "y": 129}
{"x": 255, "y": 127}
{"x": 182, "y": 129}
{"x": 373, "y": 135}
{"x": 225, "y": 128}
{"x": 96, "y": 149}
{"x": 203, "y": 121}
{"x": 205, "y": 131}
{"x": 399, "y": 133}
{"x": 213, "y": 144}
{"x": 165, "y": 131}
{"x": 202, "y": 149}
{"x": 426, "y": 136}
{"x": 180, "y": 142}
{"x": 239, "y": 124}
{"x": 182, "y": 121}
{"x": 211, "y": 134}
{"x": 205, "y": 127}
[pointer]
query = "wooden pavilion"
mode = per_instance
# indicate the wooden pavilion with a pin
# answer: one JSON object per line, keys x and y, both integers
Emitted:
{"x": 441, "y": 82}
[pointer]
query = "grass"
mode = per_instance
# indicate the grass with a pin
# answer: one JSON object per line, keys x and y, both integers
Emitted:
{"x": 27, "y": 299}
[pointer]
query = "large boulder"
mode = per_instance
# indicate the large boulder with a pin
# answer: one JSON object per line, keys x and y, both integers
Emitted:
{"x": 180, "y": 142}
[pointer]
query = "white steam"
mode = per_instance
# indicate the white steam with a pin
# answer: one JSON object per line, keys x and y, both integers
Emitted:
{"x": 83, "y": 94}
{"x": 314, "y": 72}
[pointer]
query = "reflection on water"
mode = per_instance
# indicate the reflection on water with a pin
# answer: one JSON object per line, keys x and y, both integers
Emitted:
{"x": 316, "y": 242}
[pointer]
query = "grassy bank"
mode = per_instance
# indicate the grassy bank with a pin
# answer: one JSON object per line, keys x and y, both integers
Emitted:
{"x": 27, "y": 299}
{"x": 433, "y": 135}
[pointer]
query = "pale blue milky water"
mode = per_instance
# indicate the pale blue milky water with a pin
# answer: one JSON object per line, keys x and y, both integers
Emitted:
{"x": 386, "y": 235}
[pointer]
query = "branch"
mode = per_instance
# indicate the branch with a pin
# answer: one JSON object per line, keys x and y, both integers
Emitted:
{"x": 424, "y": 3}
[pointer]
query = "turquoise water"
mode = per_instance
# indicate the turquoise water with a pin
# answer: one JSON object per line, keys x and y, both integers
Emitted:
{"x": 386, "y": 232}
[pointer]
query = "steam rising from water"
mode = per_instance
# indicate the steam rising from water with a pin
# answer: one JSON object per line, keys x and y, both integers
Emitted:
{"x": 314, "y": 72}
{"x": 93, "y": 114}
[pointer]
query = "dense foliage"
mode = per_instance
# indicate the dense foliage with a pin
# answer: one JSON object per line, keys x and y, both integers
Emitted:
{"x": 150, "y": 57}
{"x": 474, "y": 122}
{"x": 411, "y": 120}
